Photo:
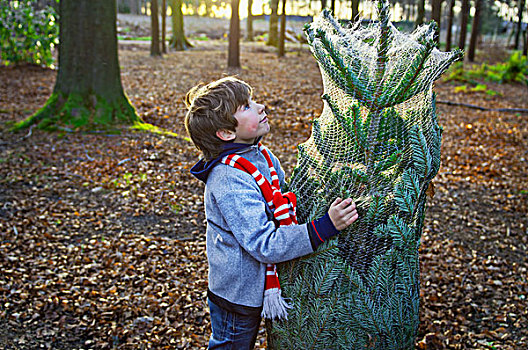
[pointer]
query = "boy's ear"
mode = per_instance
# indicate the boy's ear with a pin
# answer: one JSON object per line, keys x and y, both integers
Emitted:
{"x": 225, "y": 135}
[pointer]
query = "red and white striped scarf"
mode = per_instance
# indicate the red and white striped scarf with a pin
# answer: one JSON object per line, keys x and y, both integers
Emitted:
{"x": 283, "y": 208}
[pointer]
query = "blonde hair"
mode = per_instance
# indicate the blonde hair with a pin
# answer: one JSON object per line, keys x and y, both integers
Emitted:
{"x": 211, "y": 108}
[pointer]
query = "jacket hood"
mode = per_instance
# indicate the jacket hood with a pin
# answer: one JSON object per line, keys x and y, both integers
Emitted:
{"x": 202, "y": 168}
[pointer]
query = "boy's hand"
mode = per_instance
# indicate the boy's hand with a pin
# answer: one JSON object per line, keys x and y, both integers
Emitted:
{"x": 342, "y": 213}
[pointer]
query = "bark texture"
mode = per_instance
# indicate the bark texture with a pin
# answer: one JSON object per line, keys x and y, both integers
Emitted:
{"x": 355, "y": 10}
{"x": 282, "y": 37}
{"x": 519, "y": 23}
{"x": 464, "y": 17}
{"x": 154, "y": 23}
{"x": 475, "y": 31}
{"x": 436, "y": 15}
{"x": 273, "y": 37}
{"x": 421, "y": 13}
{"x": 449, "y": 34}
{"x": 249, "y": 28}
{"x": 233, "y": 54}
{"x": 88, "y": 93}
{"x": 178, "y": 41}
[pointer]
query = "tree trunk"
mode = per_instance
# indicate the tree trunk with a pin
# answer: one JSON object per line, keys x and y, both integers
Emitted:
{"x": 282, "y": 38}
{"x": 525, "y": 48}
{"x": 88, "y": 93}
{"x": 355, "y": 10}
{"x": 450, "y": 24}
{"x": 163, "y": 26}
{"x": 249, "y": 28}
{"x": 464, "y": 16}
{"x": 421, "y": 13}
{"x": 233, "y": 56}
{"x": 332, "y": 7}
{"x": 207, "y": 8}
{"x": 518, "y": 33}
{"x": 436, "y": 15}
{"x": 154, "y": 29}
{"x": 178, "y": 41}
{"x": 475, "y": 31}
{"x": 273, "y": 37}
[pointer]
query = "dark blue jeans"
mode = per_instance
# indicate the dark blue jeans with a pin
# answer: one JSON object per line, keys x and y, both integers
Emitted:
{"x": 232, "y": 330}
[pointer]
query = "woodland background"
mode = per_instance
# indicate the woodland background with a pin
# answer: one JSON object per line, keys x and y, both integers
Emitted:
{"x": 102, "y": 241}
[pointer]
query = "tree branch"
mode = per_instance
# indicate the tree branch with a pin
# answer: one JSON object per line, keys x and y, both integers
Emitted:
{"x": 508, "y": 110}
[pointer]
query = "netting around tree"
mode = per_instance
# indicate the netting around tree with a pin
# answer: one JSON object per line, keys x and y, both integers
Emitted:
{"x": 377, "y": 141}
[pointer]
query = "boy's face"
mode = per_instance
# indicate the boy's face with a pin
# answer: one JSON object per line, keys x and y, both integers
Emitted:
{"x": 252, "y": 122}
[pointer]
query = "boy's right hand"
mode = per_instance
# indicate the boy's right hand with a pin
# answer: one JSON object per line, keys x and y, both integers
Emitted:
{"x": 343, "y": 213}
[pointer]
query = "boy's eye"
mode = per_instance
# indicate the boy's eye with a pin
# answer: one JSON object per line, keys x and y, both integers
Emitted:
{"x": 246, "y": 107}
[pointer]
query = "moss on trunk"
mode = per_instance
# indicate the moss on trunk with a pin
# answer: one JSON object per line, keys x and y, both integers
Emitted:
{"x": 88, "y": 94}
{"x": 78, "y": 112}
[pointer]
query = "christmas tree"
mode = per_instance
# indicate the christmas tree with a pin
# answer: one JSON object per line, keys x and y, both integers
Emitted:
{"x": 377, "y": 141}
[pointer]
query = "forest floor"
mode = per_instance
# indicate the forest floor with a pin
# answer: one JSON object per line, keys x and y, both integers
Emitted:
{"x": 102, "y": 237}
{"x": 201, "y": 28}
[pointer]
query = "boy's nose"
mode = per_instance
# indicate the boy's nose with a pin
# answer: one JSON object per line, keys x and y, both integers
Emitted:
{"x": 261, "y": 108}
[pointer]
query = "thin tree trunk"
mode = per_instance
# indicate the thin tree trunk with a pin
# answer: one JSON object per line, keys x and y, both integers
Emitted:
{"x": 178, "y": 41}
{"x": 233, "y": 55}
{"x": 525, "y": 49}
{"x": 464, "y": 16}
{"x": 273, "y": 37}
{"x": 421, "y": 13}
{"x": 510, "y": 29}
{"x": 208, "y": 12}
{"x": 475, "y": 31}
{"x": 282, "y": 38}
{"x": 249, "y": 29}
{"x": 436, "y": 15}
{"x": 332, "y": 7}
{"x": 518, "y": 33}
{"x": 154, "y": 23}
{"x": 88, "y": 93}
{"x": 163, "y": 26}
{"x": 355, "y": 10}
{"x": 450, "y": 24}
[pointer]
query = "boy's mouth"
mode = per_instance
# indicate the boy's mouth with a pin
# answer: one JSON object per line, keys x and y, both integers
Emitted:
{"x": 264, "y": 120}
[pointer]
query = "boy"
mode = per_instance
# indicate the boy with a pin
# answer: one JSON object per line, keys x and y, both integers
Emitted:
{"x": 245, "y": 233}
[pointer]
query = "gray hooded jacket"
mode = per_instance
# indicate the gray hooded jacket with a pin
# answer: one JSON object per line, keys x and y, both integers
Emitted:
{"x": 241, "y": 234}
